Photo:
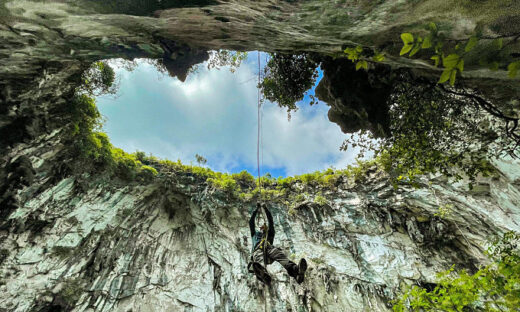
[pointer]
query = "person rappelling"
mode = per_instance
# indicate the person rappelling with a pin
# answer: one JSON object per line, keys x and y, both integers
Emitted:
{"x": 263, "y": 251}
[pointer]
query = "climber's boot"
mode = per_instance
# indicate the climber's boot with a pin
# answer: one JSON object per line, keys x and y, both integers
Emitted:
{"x": 302, "y": 267}
{"x": 261, "y": 273}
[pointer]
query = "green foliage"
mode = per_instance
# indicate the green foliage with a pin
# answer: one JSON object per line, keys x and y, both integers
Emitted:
{"x": 452, "y": 56}
{"x": 453, "y": 63}
{"x": 513, "y": 69}
{"x": 93, "y": 146}
{"x": 495, "y": 287}
{"x": 287, "y": 78}
{"x": 148, "y": 172}
{"x": 84, "y": 113}
{"x": 224, "y": 182}
{"x": 200, "y": 159}
{"x": 98, "y": 79}
{"x": 433, "y": 132}
{"x": 244, "y": 179}
{"x": 221, "y": 58}
{"x": 361, "y": 56}
{"x": 444, "y": 211}
{"x": 320, "y": 200}
{"x": 244, "y": 186}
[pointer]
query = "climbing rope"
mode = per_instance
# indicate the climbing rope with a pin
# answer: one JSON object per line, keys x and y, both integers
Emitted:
{"x": 258, "y": 164}
{"x": 259, "y": 146}
{"x": 259, "y": 123}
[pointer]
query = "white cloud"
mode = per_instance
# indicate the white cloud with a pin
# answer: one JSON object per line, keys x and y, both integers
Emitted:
{"x": 214, "y": 114}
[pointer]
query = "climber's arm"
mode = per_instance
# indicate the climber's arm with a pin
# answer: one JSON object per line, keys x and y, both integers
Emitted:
{"x": 270, "y": 232}
{"x": 252, "y": 222}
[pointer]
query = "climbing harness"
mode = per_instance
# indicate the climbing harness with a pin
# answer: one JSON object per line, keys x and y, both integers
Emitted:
{"x": 263, "y": 242}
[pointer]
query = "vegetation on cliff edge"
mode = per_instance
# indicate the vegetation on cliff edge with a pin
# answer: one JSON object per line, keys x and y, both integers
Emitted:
{"x": 495, "y": 287}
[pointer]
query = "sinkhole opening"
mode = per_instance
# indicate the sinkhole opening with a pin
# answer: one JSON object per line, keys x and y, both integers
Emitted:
{"x": 209, "y": 118}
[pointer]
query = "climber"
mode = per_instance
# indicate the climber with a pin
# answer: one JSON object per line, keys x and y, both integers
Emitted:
{"x": 264, "y": 239}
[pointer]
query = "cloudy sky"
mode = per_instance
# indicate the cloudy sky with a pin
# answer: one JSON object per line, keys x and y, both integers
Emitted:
{"x": 214, "y": 114}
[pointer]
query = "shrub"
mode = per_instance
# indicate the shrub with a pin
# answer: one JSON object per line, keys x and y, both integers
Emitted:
{"x": 320, "y": 200}
{"x": 98, "y": 79}
{"x": 148, "y": 172}
{"x": 495, "y": 287}
{"x": 224, "y": 182}
{"x": 244, "y": 179}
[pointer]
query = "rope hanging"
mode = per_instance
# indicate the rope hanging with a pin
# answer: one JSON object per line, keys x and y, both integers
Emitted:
{"x": 258, "y": 137}
{"x": 259, "y": 130}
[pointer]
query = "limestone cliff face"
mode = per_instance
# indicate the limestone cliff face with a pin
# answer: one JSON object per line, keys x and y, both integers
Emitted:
{"x": 90, "y": 243}
{"x": 76, "y": 241}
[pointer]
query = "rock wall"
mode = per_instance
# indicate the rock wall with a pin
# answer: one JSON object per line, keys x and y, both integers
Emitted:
{"x": 91, "y": 243}
{"x": 73, "y": 240}
{"x": 37, "y": 38}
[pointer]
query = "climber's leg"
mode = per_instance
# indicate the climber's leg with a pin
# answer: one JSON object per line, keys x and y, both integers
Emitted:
{"x": 255, "y": 266}
{"x": 296, "y": 271}
{"x": 276, "y": 254}
{"x": 261, "y": 273}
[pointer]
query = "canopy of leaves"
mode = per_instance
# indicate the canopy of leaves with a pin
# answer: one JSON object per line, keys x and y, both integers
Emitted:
{"x": 287, "y": 78}
{"x": 221, "y": 58}
{"x": 435, "y": 129}
{"x": 98, "y": 79}
{"x": 495, "y": 287}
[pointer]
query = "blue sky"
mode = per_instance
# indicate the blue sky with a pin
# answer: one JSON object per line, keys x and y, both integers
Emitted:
{"x": 213, "y": 113}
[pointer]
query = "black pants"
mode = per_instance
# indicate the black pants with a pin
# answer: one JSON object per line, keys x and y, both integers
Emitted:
{"x": 274, "y": 254}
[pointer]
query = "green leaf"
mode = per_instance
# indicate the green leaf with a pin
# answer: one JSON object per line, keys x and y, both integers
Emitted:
{"x": 472, "y": 42}
{"x": 365, "y": 65}
{"x": 362, "y": 64}
{"x": 416, "y": 48}
{"x": 359, "y": 49}
{"x": 513, "y": 69}
{"x": 378, "y": 57}
{"x": 427, "y": 43}
{"x": 453, "y": 75}
{"x": 445, "y": 76}
{"x": 436, "y": 58}
{"x": 450, "y": 61}
{"x": 460, "y": 65}
{"x": 407, "y": 38}
{"x": 438, "y": 47}
{"x": 406, "y": 48}
{"x": 432, "y": 26}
